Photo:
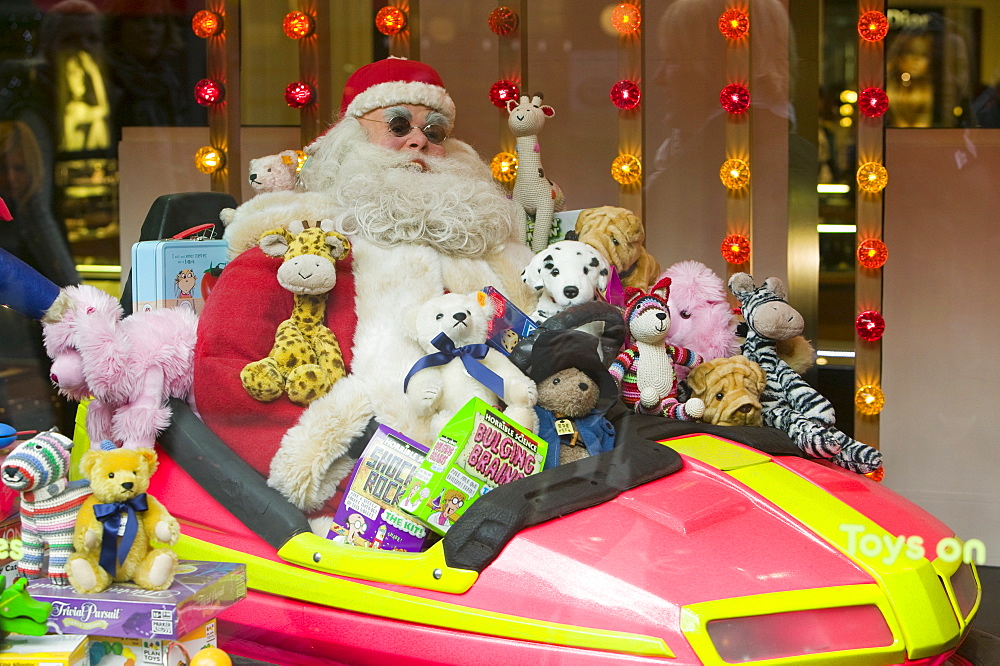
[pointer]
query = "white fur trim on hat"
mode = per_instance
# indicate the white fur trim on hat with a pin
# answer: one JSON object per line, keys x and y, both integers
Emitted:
{"x": 392, "y": 93}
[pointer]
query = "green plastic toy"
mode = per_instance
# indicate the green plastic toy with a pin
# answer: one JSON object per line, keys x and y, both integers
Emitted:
{"x": 19, "y": 612}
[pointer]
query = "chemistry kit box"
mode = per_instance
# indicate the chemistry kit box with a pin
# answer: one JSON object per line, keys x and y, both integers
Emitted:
{"x": 477, "y": 450}
{"x": 369, "y": 515}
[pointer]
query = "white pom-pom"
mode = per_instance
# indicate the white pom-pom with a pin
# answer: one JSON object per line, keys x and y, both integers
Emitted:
{"x": 695, "y": 408}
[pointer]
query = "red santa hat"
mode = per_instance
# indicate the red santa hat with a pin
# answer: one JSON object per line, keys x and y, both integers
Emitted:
{"x": 395, "y": 81}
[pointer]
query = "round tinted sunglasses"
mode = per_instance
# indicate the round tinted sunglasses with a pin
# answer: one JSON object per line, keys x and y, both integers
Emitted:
{"x": 400, "y": 127}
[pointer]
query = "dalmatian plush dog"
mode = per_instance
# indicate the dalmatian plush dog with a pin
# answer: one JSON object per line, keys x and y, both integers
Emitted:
{"x": 565, "y": 273}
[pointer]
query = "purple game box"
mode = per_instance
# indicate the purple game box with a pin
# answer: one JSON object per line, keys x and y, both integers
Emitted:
{"x": 201, "y": 590}
{"x": 368, "y": 515}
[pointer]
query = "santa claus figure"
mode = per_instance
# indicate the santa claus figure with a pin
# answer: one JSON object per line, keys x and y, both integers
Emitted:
{"x": 424, "y": 217}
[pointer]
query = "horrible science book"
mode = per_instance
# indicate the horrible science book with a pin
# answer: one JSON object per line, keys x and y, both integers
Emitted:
{"x": 368, "y": 515}
{"x": 477, "y": 450}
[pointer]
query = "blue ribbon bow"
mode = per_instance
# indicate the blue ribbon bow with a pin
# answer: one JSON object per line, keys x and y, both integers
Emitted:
{"x": 469, "y": 354}
{"x": 110, "y": 514}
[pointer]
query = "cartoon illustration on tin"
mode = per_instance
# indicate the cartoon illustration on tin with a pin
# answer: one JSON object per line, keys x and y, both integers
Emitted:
{"x": 185, "y": 282}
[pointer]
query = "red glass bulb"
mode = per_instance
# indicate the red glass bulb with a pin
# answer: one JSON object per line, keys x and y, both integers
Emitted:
{"x": 873, "y": 26}
{"x": 208, "y": 92}
{"x": 873, "y": 102}
{"x": 390, "y": 20}
{"x": 298, "y": 25}
{"x": 205, "y": 24}
{"x": 625, "y": 95}
{"x": 870, "y": 326}
{"x": 502, "y": 92}
{"x": 503, "y": 21}
{"x": 872, "y": 253}
{"x": 735, "y": 98}
{"x": 877, "y": 475}
{"x": 298, "y": 94}
{"x": 735, "y": 249}
{"x": 734, "y": 23}
{"x": 626, "y": 18}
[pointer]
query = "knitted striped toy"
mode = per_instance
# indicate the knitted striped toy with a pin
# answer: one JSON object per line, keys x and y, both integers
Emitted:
{"x": 39, "y": 470}
{"x": 645, "y": 369}
{"x": 788, "y": 402}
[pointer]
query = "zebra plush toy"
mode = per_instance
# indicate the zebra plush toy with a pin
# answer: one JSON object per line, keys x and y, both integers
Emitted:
{"x": 788, "y": 402}
{"x": 39, "y": 470}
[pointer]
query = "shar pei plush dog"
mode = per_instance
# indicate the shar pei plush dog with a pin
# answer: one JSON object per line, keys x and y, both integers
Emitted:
{"x": 730, "y": 388}
{"x": 619, "y": 235}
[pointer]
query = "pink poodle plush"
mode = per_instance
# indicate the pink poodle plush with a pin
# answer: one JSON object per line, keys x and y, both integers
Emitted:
{"x": 130, "y": 366}
{"x": 701, "y": 317}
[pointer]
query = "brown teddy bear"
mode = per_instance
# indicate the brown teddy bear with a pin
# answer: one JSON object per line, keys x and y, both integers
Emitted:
{"x": 730, "y": 389}
{"x": 575, "y": 390}
{"x": 115, "y": 525}
{"x": 619, "y": 235}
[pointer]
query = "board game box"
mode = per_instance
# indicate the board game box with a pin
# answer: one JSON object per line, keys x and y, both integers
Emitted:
{"x": 175, "y": 272}
{"x": 368, "y": 514}
{"x": 20, "y": 650}
{"x": 201, "y": 590}
{"x": 477, "y": 450}
{"x": 113, "y": 651}
{"x": 507, "y": 323}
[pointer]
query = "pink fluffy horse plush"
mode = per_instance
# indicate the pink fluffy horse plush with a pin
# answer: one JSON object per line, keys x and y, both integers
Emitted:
{"x": 131, "y": 366}
{"x": 701, "y": 318}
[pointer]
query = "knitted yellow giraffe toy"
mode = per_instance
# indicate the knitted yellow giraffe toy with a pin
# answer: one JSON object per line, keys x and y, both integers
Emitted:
{"x": 306, "y": 359}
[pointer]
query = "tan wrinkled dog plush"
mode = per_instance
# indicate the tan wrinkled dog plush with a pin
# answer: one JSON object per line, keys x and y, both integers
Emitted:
{"x": 619, "y": 235}
{"x": 730, "y": 388}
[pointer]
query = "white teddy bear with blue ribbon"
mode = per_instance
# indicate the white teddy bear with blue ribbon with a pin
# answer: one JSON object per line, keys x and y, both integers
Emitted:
{"x": 459, "y": 365}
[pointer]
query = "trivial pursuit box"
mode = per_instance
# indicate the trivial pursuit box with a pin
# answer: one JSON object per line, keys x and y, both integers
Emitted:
{"x": 368, "y": 514}
{"x": 20, "y": 650}
{"x": 111, "y": 651}
{"x": 201, "y": 590}
{"x": 175, "y": 272}
{"x": 477, "y": 450}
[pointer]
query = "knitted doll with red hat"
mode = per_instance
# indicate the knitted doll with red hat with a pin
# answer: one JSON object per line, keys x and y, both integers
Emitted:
{"x": 645, "y": 369}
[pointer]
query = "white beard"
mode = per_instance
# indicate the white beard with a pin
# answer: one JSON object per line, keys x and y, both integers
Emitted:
{"x": 383, "y": 195}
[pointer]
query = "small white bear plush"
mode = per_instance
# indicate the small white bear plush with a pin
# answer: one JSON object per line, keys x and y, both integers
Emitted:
{"x": 439, "y": 385}
{"x": 274, "y": 172}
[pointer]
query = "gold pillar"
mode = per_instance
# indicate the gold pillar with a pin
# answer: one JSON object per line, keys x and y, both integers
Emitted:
{"x": 223, "y": 60}
{"x": 314, "y": 54}
{"x": 631, "y": 124}
{"x": 868, "y": 282}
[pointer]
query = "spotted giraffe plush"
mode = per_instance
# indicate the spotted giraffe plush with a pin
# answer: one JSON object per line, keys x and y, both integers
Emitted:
{"x": 306, "y": 359}
{"x": 788, "y": 402}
